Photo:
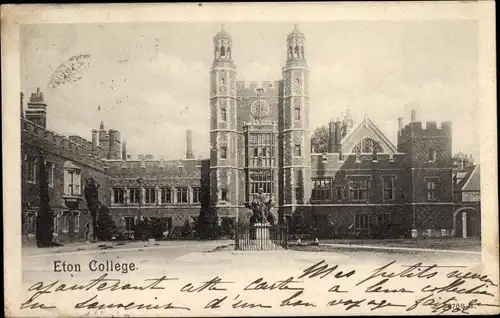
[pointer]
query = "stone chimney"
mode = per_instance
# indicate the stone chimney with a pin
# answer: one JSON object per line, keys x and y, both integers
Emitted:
{"x": 189, "y": 144}
{"x": 400, "y": 124}
{"x": 338, "y": 134}
{"x": 94, "y": 140}
{"x": 114, "y": 144}
{"x": 37, "y": 109}
{"x": 124, "y": 151}
{"x": 413, "y": 115}
{"x": 104, "y": 141}
{"x": 331, "y": 136}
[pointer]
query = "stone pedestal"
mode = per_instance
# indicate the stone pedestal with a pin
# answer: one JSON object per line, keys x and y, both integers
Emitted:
{"x": 262, "y": 231}
{"x": 262, "y": 235}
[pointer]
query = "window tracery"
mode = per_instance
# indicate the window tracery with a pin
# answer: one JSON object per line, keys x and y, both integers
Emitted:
{"x": 368, "y": 146}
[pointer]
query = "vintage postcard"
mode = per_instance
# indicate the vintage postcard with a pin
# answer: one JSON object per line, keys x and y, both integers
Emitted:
{"x": 250, "y": 159}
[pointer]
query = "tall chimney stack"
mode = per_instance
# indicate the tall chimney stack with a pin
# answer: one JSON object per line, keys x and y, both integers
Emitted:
{"x": 331, "y": 136}
{"x": 400, "y": 124}
{"x": 338, "y": 134}
{"x": 37, "y": 109}
{"x": 94, "y": 140}
{"x": 189, "y": 144}
{"x": 413, "y": 115}
{"x": 124, "y": 151}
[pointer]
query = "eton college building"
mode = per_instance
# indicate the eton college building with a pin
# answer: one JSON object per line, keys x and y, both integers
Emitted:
{"x": 260, "y": 138}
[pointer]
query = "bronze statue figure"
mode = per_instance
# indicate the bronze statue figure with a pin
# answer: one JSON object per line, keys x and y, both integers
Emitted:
{"x": 260, "y": 207}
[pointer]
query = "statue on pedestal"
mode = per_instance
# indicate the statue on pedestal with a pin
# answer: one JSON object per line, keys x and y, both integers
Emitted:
{"x": 260, "y": 207}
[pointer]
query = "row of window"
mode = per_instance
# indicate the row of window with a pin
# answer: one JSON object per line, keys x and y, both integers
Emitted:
{"x": 130, "y": 222}
{"x": 360, "y": 188}
{"x": 223, "y": 114}
{"x": 72, "y": 176}
{"x": 261, "y": 148}
{"x": 61, "y": 223}
{"x": 362, "y": 221}
{"x": 32, "y": 176}
{"x": 167, "y": 195}
{"x": 261, "y": 179}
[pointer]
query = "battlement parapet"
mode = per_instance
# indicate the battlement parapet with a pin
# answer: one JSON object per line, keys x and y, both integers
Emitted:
{"x": 114, "y": 132}
{"x": 426, "y": 129}
{"x": 74, "y": 148}
{"x": 81, "y": 141}
{"x": 155, "y": 163}
{"x": 249, "y": 88}
{"x": 184, "y": 168}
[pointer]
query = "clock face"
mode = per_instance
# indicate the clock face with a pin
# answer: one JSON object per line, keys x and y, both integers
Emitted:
{"x": 260, "y": 109}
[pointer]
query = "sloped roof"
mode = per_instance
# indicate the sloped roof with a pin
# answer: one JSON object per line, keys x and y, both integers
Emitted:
{"x": 472, "y": 180}
{"x": 372, "y": 131}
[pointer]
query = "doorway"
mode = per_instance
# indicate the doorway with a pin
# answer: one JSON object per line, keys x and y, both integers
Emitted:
{"x": 467, "y": 222}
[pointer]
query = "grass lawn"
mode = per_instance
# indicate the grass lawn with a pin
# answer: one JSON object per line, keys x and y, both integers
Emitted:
{"x": 469, "y": 244}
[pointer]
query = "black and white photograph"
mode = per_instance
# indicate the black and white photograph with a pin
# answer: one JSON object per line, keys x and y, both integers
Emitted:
{"x": 250, "y": 159}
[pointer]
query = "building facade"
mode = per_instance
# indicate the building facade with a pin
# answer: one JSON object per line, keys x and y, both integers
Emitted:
{"x": 260, "y": 139}
{"x": 68, "y": 162}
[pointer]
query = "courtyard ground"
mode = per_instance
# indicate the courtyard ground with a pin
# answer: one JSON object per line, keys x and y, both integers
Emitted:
{"x": 122, "y": 246}
{"x": 443, "y": 243}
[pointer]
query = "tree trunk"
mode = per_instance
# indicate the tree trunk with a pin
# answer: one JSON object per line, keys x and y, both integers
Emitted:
{"x": 92, "y": 197}
{"x": 44, "y": 220}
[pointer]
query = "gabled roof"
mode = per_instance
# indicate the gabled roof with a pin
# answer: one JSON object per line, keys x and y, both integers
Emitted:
{"x": 366, "y": 129}
{"x": 472, "y": 181}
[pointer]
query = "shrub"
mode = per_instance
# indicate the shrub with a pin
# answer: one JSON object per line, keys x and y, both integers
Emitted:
{"x": 143, "y": 230}
{"x": 106, "y": 227}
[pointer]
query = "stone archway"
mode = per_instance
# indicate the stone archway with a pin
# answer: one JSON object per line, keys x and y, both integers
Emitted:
{"x": 469, "y": 220}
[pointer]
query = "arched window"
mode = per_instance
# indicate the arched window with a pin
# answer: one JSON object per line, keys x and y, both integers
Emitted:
{"x": 367, "y": 145}
{"x": 222, "y": 51}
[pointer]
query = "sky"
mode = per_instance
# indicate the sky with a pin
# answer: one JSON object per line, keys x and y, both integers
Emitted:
{"x": 150, "y": 81}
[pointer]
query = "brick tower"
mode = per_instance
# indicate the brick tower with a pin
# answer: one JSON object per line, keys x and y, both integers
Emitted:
{"x": 294, "y": 130}
{"x": 430, "y": 173}
{"x": 223, "y": 128}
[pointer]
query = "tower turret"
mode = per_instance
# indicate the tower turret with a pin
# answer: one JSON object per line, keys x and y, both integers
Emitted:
{"x": 295, "y": 48}
{"x": 223, "y": 127}
{"x": 296, "y": 162}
